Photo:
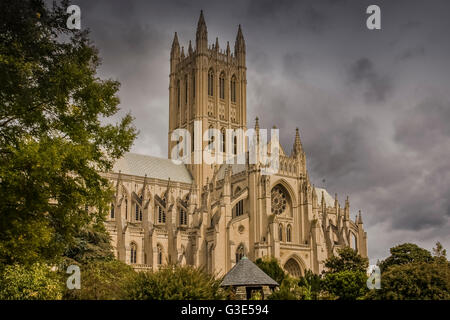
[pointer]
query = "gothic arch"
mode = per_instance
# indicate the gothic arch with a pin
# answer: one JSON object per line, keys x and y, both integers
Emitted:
{"x": 288, "y": 188}
{"x": 295, "y": 266}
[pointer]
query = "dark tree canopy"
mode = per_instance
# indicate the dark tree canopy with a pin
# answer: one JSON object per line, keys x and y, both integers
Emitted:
{"x": 405, "y": 253}
{"x": 346, "y": 260}
{"x": 55, "y": 135}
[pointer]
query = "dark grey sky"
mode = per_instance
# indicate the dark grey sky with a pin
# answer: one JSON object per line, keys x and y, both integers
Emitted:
{"x": 373, "y": 107}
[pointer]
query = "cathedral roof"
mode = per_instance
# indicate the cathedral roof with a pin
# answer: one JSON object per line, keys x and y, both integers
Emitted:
{"x": 235, "y": 169}
{"x": 329, "y": 200}
{"x": 159, "y": 168}
{"x": 246, "y": 273}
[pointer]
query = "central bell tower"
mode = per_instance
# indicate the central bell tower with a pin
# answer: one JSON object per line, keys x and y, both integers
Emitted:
{"x": 207, "y": 84}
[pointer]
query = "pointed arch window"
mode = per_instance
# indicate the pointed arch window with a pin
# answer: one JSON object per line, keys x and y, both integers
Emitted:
{"x": 183, "y": 217}
{"x": 222, "y": 142}
{"x": 233, "y": 88}
{"x": 211, "y": 138}
{"x": 289, "y": 233}
{"x": 222, "y": 86}
{"x": 280, "y": 232}
{"x": 178, "y": 94}
{"x": 161, "y": 215}
{"x": 240, "y": 253}
{"x": 126, "y": 209}
{"x": 186, "y": 89}
{"x": 138, "y": 212}
{"x": 239, "y": 208}
{"x": 112, "y": 213}
{"x": 159, "y": 255}
{"x": 235, "y": 145}
{"x": 211, "y": 82}
{"x": 133, "y": 253}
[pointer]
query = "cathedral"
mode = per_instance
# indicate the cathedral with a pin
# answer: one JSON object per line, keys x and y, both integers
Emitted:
{"x": 212, "y": 215}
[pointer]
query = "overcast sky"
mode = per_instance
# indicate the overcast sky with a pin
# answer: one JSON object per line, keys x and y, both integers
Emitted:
{"x": 373, "y": 107}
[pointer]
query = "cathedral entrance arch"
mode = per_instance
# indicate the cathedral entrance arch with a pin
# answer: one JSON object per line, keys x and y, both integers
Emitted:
{"x": 293, "y": 268}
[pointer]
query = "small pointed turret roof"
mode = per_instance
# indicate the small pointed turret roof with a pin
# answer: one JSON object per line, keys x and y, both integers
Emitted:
{"x": 201, "y": 25}
{"x": 175, "y": 41}
{"x": 297, "y": 143}
{"x": 246, "y": 273}
{"x": 190, "y": 51}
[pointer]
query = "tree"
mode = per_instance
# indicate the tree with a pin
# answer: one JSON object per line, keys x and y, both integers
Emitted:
{"x": 54, "y": 133}
{"x": 345, "y": 275}
{"x": 35, "y": 282}
{"x": 174, "y": 283}
{"x": 404, "y": 254}
{"x": 412, "y": 273}
{"x": 346, "y": 260}
{"x": 271, "y": 267}
{"x": 312, "y": 283}
{"x": 102, "y": 280}
{"x": 415, "y": 281}
{"x": 92, "y": 243}
{"x": 289, "y": 290}
{"x": 345, "y": 285}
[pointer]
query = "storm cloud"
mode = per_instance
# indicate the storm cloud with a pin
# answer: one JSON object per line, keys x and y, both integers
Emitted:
{"x": 372, "y": 106}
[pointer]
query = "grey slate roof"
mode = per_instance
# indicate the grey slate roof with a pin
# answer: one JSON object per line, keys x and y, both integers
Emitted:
{"x": 153, "y": 167}
{"x": 246, "y": 273}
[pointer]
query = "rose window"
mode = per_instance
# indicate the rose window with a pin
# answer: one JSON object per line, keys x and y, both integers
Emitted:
{"x": 278, "y": 200}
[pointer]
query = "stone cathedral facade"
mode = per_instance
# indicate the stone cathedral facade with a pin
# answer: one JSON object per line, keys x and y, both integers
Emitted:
{"x": 211, "y": 216}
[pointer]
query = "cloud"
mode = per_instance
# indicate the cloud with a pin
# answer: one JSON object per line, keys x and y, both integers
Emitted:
{"x": 376, "y": 87}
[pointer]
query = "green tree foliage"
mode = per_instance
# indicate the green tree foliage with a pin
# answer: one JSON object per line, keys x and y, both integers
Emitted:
{"x": 174, "y": 283}
{"x": 345, "y": 275}
{"x": 34, "y": 282}
{"x": 404, "y": 254}
{"x": 345, "y": 285}
{"x": 290, "y": 290}
{"x": 346, "y": 260}
{"x": 102, "y": 280}
{"x": 271, "y": 267}
{"x": 92, "y": 243}
{"x": 412, "y": 273}
{"x": 312, "y": 284}
{"x": 54, "y": 133}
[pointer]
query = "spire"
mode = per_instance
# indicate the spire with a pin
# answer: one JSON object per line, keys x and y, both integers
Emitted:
{"x": 175, "y": 45}
{"x": 239, "y": 45}
{"x": 359, "y": 218}
{"x": 190, "y": 48}
{"x": 217, "y": 44}
{"x": 201, "y": 22}
{"x": 298, "y": 148}
{"x": 257, "y": 124}
{"x": 336, "y": 202}
{"x": 323, "y": 200}
{"x": 202, "y": 34}
{"x": 228, "y": 48}
{"x": 182, "y": 52}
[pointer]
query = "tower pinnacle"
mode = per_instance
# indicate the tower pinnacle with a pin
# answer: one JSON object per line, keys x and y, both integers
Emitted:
{"x": 202, "y": 34}
{"x": 298, "y": 148}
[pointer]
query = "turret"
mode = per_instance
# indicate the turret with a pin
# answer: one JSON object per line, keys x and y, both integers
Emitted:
{"x": 359, "y": 218}
{"x": 347, "y": 209}
{"x": 239, "y": 48}
{"x": 201, "y": 39}
{"x": 217, "y": 44}
{"x": 297, "y": 150}
{"x": 174, "y": 53}
{"x": 190, "y": 51}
